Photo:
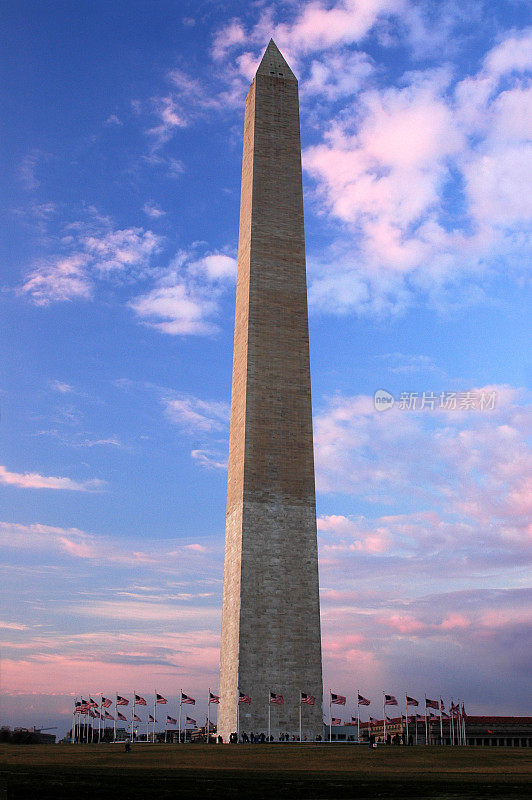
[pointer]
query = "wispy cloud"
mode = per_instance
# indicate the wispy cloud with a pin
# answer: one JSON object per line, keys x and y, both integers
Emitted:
{"x": 61, "y": 387}
{"x": 195, "y": 414}
{"x": 62, "y": 280}
{"x": 32, "y": 480}
{"x": 209, "y": 459}
{"x": 96, "y": 251}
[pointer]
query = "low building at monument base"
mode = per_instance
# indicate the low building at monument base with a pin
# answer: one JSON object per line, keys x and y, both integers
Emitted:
{"x": 479, "y": 731}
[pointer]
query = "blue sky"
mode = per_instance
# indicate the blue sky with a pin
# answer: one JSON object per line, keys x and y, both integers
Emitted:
{"x": 122, "y": 155}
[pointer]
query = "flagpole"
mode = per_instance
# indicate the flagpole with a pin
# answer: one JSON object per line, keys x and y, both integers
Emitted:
{"x": 72, "y": 736}
{"x": 300, "y": 706}
{"x": 459, "y": 725}
{"x": 154, "y": 707}
{"x": 384, "y": 716}
{"x": 463, "y": 724}
{"x": 116, "y": 713}
{"x": 426, "y": 728}
{"x": 406, "y": 716}
{"x": 441, "y": 724}
{"x": 208, "y": 716}
{"x": 451, "y": 721}
{"x": 180, "y": 704}
{"x": 330, "y": 717}
{"x": 269, "y": 713}
{"x": 416, "y": 725}
{"x": 133, "y": 713}
{"x": 237, "y": 715}
{"x": 358, "y": 715}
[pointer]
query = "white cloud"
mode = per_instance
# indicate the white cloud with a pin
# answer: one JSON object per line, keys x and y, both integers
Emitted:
{"x": 61, "y": 387}
{"x": 32, "y": 480}
{"x": 186, "y": 298}
{"x": 194, "y": 414}
{"x": 215, "y": 267}
{"x": 28, "y": 169}
{"x": 112, "y": 119}
{"x": 96, "y": 252}
{"x": 176, "y": 310}
{"x": 338, "y": 75}
{"x": 153, "y": 210}
{"x": 393, "y": 172}
{"x": 120, "y": 252}
{"x": 314, "y": 27}
{"x": 208, "y": 459}
{"x": 66, "y": 279}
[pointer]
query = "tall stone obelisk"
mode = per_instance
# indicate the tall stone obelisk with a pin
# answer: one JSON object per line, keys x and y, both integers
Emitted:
{"x": 271, "y": 615}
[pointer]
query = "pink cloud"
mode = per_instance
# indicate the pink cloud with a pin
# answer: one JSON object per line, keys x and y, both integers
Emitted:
{"x": 32, "y": 480}
{"x": 454, "y": 621}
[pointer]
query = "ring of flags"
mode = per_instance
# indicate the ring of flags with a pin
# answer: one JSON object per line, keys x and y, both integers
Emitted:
{"x": 99, "y": 710}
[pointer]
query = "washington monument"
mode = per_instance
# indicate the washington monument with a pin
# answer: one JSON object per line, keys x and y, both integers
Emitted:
{"x": 271, "y": 616}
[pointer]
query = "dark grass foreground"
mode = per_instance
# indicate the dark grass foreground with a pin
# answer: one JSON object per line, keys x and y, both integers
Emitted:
{"x": 302, "y": 772}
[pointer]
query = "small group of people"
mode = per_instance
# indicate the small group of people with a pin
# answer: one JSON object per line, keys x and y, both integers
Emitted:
{"x": 397, "y": 738}
{"x": 260, "y": 738}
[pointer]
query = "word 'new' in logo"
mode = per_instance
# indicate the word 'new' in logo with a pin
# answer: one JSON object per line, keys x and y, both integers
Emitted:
{"x": 383, "y": 400}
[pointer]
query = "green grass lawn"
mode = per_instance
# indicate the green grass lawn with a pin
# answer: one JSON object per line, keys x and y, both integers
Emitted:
{"x": 263, "y": 772}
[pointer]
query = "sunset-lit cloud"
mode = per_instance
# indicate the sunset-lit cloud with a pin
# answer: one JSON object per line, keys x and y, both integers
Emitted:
{"x": 32, "y": 480}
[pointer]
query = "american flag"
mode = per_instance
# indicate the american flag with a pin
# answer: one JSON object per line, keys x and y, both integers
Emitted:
{"x": 93, "y": 703}
{"x": 139, "y": 701}
{"x": 190, "y": 721}
{"x": 276, "y": 698}
{"x": 171, "y": 720}
{"x": 186, "y": 699}
{"x": 463, "y": 711}
{"x": 107, "y": 715}
{"x": 363, "y": 701}
{"x": 390, "y": 700}
{"x": 445, "y": 715}
{"x": 150, "y": 718}
{"x": 441, "y": 705}
{"x": 106, "y": 702}
{"x": 308, "y": 699}
{"x": 336, "y": 721}
{"x": 339, "y": 699}
{"x": 431, "y": 703}
{"x": 243, "y": 698}
{"x": 214, "y": 698}
{"x": 372, "y": 720}
{"x": 120, "y": 716}
{"x": 354, "y": 719}
{"x": 160, "y": 699}
{"x": 410, "y": 701}
{"x": 121, "y": 701}
{"x": 136, "y": 719}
